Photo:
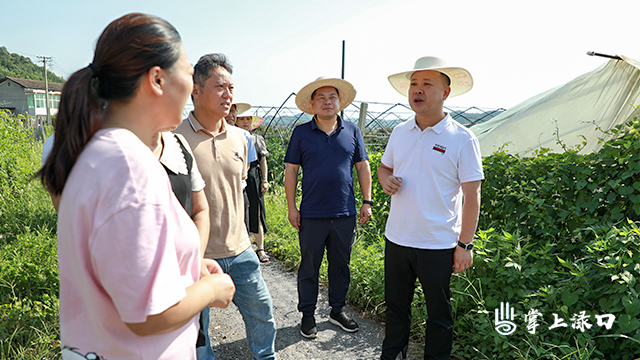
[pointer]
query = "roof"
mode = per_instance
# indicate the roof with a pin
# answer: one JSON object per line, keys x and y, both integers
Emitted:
{"x": 33, "y": 84}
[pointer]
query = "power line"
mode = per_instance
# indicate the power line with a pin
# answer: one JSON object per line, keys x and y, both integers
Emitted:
{"x": 55, "y": 65}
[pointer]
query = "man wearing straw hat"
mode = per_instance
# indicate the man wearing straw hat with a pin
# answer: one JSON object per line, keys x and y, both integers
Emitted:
{"x": 236, "y": 109}
{"x": 327, "y": 148}
{"x": 220, "y": 151}
{"x": 232, "y": 118}
{"x": 257, "y": 185}
{"x": 431, "y": 163}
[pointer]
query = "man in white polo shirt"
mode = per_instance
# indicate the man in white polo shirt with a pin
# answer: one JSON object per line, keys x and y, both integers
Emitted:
{"x": 430, "y": 165}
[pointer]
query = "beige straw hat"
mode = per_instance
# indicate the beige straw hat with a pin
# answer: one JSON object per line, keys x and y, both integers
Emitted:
{"x": 241, "y": 107}
{"x": 461, "y": 80}
{"x": 345, "y": 90}
{"x": 255, "y": 120}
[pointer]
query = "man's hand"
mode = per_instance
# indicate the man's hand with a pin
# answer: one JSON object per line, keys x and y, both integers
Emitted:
{"x": 264, "y": 186}
{"x": 462, "y": 260}
{"x": 392, "y": 184}
{"x": 294, "y": 218}
{"x": 365, "y": 213}
{"x": 290, "y": 189}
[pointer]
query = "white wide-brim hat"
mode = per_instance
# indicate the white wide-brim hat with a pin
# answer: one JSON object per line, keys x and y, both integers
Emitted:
{"x": 461, "y": 80}
{"x": 255, "y": 120}
{"x": 241, "y": 107}
{"x": 346, "y": 92}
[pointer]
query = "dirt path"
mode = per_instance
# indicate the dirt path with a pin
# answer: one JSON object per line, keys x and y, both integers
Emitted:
{"x": 229, "y": 339}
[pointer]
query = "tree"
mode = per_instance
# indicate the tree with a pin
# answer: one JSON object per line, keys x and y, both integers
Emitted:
{"x": 16, "y": 65}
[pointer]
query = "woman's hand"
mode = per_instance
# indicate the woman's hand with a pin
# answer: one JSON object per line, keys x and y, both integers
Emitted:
{"x": 222, "y": 288}
{"x": 208, "y": 267}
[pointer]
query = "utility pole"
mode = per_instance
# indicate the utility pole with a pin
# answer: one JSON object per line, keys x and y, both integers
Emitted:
{"x": 342, "y": 59}
{"x": 342, "y": 112}
{"x": 46, "y": 86}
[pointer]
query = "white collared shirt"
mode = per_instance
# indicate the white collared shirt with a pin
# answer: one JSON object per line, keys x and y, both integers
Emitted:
{"x": 433, "y": 163}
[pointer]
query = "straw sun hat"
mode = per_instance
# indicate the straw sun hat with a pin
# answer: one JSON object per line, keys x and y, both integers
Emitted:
{"x": 241, "y": 107}
{"x": 255, "y": 121}
{"x": 461, "y": 80}
{"x": 346, "y": 93}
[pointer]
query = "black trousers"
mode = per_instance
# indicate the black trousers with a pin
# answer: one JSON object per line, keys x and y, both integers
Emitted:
{"x": 246, "y": 208}
{"x": 337, "y": 236}
{"x": 402, "y": 265}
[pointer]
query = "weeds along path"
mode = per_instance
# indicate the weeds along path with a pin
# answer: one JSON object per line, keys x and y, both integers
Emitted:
{"x": 229, "y": 339}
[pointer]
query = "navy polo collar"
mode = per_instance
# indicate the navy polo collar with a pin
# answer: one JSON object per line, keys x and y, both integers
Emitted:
{"x": 314, "y": 126}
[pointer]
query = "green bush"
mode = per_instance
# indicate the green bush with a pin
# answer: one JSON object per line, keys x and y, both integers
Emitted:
{"x": 277, "y": 147}
{"x": 558, "y": 249}
{"x": 599, "y": 279}
{"x": 551, "y": 195}
{"x": 282, "y": 238}
{"x": 29, "y": 293}
{"x": 28, "y": 249}
{"x": 554, "y": 237}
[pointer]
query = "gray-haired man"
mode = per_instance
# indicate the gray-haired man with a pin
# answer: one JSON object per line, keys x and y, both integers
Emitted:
{"x": 220, "y": 151}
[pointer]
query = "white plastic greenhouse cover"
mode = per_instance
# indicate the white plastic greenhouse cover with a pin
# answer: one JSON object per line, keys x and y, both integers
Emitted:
{"x": 607, "y": 96}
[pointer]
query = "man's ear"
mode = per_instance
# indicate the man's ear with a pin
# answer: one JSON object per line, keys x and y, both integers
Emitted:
{"x": 195, "y": 92}
{"x": 447, "y": 91}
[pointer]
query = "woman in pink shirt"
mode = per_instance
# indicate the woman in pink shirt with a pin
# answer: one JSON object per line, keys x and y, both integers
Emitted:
{"x": 131, "y": 277}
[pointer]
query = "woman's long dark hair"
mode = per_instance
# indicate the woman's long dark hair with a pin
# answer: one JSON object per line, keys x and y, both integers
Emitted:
{"x": 126, "y": 50}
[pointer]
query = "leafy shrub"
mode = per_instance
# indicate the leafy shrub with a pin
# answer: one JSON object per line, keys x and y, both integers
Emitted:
{"x": 594, "y": 271}
{"x": 555, "y": 239}
{"x": 29, "y": 290}
{"x": 28, "y": 250}
{"x": 25, "y": 204}
{"x": 282, "y": 238}
{"x": 275, "y": 161}
{"x": 551, "y": 195}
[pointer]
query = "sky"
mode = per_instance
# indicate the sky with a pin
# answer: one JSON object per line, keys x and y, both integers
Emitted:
{"x": 513, "y": 49}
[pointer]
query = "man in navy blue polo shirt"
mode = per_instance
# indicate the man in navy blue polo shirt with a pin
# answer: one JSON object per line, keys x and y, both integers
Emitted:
{"x": 327, "y": 148}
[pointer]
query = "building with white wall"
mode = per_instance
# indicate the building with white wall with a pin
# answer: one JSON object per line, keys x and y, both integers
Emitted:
{"x": 23, "y": 96}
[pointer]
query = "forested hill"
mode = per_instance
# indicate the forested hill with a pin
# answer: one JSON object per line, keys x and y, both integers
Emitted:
{"x": 16, "y": 65}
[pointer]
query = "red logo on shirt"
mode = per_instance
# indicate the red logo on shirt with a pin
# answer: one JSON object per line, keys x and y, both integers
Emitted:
{"x": 439, "y": 148}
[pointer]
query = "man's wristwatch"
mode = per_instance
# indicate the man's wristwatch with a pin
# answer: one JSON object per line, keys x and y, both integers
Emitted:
{"x": 467, "y": 247}
{"x": 368, "y": 202}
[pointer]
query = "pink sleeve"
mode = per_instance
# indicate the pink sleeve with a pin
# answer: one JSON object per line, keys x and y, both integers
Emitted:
{"x": 135, "y": 260}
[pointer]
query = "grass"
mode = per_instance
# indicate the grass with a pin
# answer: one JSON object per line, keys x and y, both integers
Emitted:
{"x": 282, "y": 241}
{"x": 592, "y": 268}
{"x": 28, "y": 250}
